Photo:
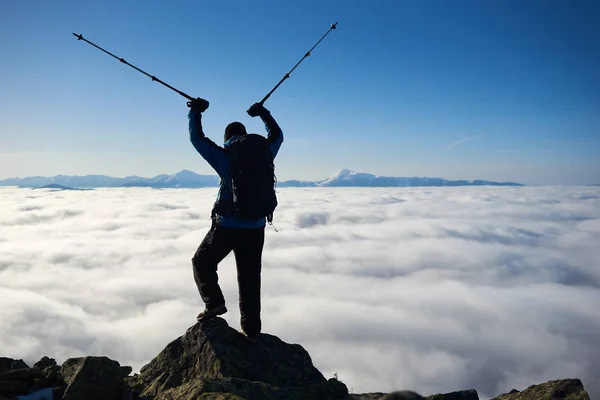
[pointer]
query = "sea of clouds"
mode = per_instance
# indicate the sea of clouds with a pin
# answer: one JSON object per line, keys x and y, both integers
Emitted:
{"x": 428, "y": 289}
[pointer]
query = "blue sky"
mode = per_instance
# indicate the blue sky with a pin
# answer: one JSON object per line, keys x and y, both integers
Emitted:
{"x": 501, "y": 90}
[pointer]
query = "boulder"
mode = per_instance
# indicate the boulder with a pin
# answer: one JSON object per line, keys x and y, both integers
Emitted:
{"x": 563, "y": 389}
{"x": 18, "y": 381}
{"x": 45, "y": 362}
{"x": 50, "y": 379}
{"x": 470, "y": 394}
{"x": 93, "y": 378}
{"x": 403, "y": 395}
{"x": 7, "y": 364}
{"x": 213, "y": 359}
{"x": 12, "y": 387}
{"x": 22, "y": 374}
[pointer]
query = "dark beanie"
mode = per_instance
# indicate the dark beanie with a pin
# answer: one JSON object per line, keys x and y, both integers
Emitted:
{"x": 234, "y": 129}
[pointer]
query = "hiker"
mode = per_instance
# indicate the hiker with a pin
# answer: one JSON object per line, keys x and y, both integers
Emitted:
{"x": 245, "y": 166}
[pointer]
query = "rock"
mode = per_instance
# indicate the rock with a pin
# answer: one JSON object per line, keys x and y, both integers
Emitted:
{"x": 368, "y": 396}
{"x": 50, "y": 379}
{"x": 403, "y": 395}
{"x": 23, "y": 374}
{"x": 564, "y": 389}
{"x": 93, "y": 378}
{"x": 460, "y": 395}
{"x": 213, "y": 359}
{"x": 45, "y": 362}
{"x": 7, "y": 364}
{"x": 18, "y": 381}
{"x": 136, "y": 385}
{"x": 126, "y": 371}
{"x": 337, "y": 388}
{"x": 12, "y": 387}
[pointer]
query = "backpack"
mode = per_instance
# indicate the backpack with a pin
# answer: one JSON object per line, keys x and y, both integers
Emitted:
{"x": 253, "y": 177}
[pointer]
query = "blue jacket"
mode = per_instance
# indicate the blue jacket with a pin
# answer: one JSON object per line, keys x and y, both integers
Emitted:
{"x": 217, "y": 157}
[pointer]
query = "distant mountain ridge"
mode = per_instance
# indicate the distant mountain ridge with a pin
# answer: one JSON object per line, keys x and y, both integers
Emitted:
{"x": 182, "y": 179}
{"x": 192, "y": 180}
{"x": 56, "y": 186}
{"x": 348, "y": 178}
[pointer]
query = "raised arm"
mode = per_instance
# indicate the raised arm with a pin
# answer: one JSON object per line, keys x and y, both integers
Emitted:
{"x": 274, "y": 132}
{"x": 209, "y": 150}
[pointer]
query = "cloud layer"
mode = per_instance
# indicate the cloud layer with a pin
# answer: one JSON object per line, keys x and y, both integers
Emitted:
{"x": 428, "y": 289}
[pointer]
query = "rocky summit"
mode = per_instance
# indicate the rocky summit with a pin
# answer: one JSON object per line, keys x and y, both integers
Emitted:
{"x": 212, "y": 358}
{"x": 564, "y": 389}
{"x": 213, "y": 361}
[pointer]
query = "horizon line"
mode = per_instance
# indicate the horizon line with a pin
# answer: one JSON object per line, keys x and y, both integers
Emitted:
{"x": 216, "y": 175}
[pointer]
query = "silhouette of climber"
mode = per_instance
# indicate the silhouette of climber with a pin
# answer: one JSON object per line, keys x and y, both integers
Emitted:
{"x": 234, "y": 230}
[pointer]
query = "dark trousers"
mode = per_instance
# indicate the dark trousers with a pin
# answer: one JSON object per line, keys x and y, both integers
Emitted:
{"x": 247, "y": 246}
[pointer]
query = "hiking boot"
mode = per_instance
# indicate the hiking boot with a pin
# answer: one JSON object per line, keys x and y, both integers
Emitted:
{"x": 211, "y": 313}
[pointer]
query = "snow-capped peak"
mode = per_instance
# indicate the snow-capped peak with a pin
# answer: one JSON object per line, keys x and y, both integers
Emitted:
{"x": 341, "y": 174}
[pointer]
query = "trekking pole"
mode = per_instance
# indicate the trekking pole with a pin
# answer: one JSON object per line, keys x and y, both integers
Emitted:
{"x": 80, "y": 37}
{"x": 333, "y": 26}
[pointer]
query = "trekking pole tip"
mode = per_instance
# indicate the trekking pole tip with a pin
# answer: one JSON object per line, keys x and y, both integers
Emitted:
{"x": 79, "y": 37}
{"x": 334, "y": 26}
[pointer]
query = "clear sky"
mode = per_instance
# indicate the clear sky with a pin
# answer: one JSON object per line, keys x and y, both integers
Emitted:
{"x": 499, "y": 90}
